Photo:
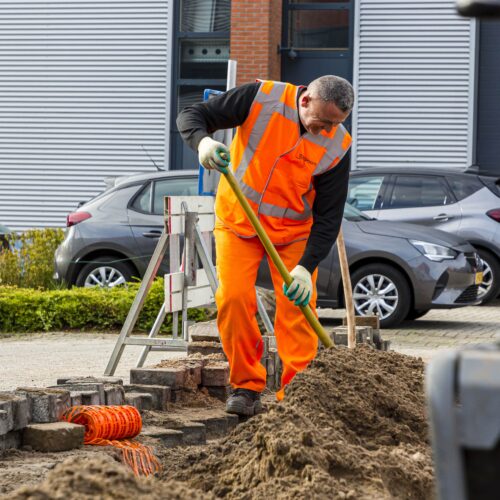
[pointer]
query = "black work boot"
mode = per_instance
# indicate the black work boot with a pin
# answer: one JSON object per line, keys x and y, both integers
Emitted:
{"x": 244, "y": 402}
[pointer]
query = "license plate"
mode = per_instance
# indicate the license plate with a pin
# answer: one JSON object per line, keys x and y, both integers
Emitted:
{"x": 479, "y": 278}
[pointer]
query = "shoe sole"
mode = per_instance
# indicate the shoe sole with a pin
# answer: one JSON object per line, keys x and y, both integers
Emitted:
{"x": 236, "y": 408}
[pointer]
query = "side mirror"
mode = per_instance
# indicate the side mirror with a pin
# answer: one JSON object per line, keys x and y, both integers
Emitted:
{"x": 479, "y": 8}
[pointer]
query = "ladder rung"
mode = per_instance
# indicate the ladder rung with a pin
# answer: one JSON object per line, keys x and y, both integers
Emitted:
{"x": 155, "y": 342}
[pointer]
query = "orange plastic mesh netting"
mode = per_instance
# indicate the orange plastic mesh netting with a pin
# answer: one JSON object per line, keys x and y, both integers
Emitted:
{"x": 109, "y": 426}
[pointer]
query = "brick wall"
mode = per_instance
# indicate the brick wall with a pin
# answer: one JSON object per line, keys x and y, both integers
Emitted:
{"x": 255, "y": 37}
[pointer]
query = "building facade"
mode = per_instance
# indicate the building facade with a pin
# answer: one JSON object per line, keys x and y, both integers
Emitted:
{"x": 90, "y": 90}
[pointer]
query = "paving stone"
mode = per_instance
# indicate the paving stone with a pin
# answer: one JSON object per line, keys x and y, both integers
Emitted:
{"x": 193, "y": 376}
{"x": 177, "y": 396}
{"x": 63, "y": 401}
{"x": 221, "y": 393}
{"x": 168, "y": 437}
{"x": 76, "y": 398}
{"x": 86, "y": 386}
{"x": 216, "y": 425}
{"x": 204, "y": 348}
{"x": 372, "y": 320}
{"x": 11, "y": 440}
{"x": 114, "y": 395}
{"x": 43, "y": 406}
{"x": 205, "y": 331}
{"x": 20, "y": 409}
{"x": 55, "y": 436}
{"x": 193, "y": 433}
{"x": 90, "y": 398}
{"x": 140, "y": 400}
{"x": 174, "y": 378}
{"x": 215, "y": 375}
{"x": 160, "y": 393}
{"x": 364, "y": 335}
{"x": 6, "y": 416}
{"x": 89, "y": 380}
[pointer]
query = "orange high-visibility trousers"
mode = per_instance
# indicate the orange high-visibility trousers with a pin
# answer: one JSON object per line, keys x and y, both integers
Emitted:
{"x": 238, "y": 261}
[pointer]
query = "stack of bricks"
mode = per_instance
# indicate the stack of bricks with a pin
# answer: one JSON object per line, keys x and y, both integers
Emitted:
{"x": 367, "y": 332}
{"x": 186, "y": 376}
{"x": 29, "y": 416}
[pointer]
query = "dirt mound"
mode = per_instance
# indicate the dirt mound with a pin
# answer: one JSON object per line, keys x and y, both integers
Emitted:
{"x": 100, "y": 477}
{"x": 351, "y": 426}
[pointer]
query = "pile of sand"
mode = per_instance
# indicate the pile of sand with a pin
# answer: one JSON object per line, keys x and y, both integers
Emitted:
{"x": 104, "y": 478}
{"x": 352, "y": 426}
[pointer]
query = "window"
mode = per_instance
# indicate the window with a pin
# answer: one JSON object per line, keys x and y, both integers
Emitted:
{"x": 364, "y": 191}
{"x": 187, "y": 186}
{"x": 201, "y": 45}
{"x": 319, "y": 29}
{"x": 142, "y": 203}
{"x": 414, "y": 191}
{"x": 205, "y": 16}
{"x": 464, "y": 187}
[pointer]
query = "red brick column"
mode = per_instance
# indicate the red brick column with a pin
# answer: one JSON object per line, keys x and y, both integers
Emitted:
{"x": 255, "y": 37}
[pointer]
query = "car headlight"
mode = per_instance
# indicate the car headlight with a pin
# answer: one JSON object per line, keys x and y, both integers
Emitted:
{"x": 434, "y": 252}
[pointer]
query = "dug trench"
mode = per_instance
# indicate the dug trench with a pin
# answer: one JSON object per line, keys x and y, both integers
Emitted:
{"x": 353, "y": 425}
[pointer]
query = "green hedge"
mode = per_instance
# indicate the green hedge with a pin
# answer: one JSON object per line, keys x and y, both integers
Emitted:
{"x": 31, "y": 310}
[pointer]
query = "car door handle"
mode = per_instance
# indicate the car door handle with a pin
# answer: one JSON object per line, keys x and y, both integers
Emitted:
{"x": 443, "y": 217}
{"x": 152, "y": 234}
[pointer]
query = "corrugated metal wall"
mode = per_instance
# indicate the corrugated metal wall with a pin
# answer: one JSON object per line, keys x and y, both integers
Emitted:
{"x": 84, "y": 86}
{"x": 414, "y": 74}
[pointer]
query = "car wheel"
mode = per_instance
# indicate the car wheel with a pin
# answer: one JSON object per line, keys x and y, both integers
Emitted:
{"x": 488, "y": 289}
{"x": 381, "y": 289}
{"x": 416, "y": 313}
{"x": 105, "y": 272}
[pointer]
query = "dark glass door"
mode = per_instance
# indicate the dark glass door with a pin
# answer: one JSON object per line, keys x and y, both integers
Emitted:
{"x": 317, "y": 40}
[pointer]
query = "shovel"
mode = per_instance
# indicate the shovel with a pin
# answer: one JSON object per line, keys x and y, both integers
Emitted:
{"x": 273, "y": 254}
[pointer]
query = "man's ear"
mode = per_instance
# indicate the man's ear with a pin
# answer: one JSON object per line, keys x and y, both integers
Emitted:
{"x": 305, "y": 99}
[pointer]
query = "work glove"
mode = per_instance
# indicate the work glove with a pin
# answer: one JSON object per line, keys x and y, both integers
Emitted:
{"x": 300, "y": 289}
{"x": 213, "y": 155}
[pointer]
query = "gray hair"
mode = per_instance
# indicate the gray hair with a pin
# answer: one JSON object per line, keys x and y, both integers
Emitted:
{"x": 331, "y": 88}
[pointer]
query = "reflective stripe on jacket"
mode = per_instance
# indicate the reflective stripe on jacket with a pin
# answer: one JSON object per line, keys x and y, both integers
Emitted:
{"x": 275, "y": 165}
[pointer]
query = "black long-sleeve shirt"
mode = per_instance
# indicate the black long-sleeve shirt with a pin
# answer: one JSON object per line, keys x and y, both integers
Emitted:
{"x": 229, "y": 110}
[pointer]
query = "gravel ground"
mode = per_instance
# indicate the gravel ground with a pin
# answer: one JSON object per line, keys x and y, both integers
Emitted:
{"x": 38, "y": 359}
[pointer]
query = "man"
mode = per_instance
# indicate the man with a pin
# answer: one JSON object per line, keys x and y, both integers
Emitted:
{"x": 289, "y": 156}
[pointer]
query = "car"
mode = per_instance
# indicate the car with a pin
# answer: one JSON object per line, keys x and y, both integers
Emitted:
{"x": 110, "y": 239}
{"x": 461, "y": 203}
{"x": 398, "y": 271}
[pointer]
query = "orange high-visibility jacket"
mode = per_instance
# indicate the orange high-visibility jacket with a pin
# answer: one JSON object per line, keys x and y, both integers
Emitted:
{"x": 274, "y": 166}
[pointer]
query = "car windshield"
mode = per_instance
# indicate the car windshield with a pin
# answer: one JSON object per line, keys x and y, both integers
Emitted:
{"x": 354, "y": 215}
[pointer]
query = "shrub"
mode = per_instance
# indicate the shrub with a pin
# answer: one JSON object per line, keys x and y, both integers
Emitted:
{"x": 31, "y": 310}
{"x": 30, "y": 261}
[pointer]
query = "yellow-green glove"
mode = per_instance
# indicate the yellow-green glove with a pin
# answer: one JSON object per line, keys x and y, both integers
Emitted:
{"x": 300, "y": 290}
{"x": 213, "y": 155}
